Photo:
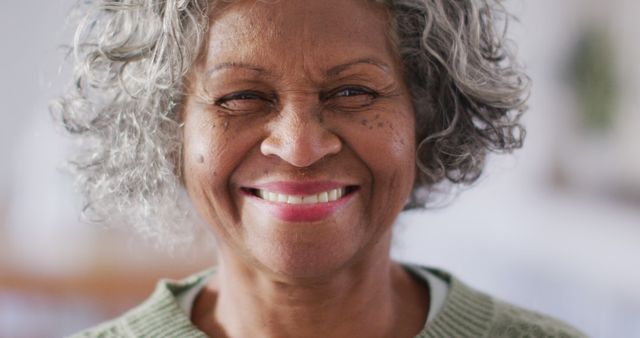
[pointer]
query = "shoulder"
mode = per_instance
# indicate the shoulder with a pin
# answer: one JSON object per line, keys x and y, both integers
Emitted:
{"x": 468, "y": 312}
{"x": 512, "y": 321}
{"x": 111, "y": 329}
{"x": 157, "y": 315}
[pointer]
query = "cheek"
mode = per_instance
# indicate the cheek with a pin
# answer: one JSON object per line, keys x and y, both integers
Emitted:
{"x": 204, "y": 138}
{"x": 400, "y": 137}
{"x": 199, "y": 148}
{"x": 206, "y": 143}
{"x": 209, "y": 160}
{"x": 386, "y": 142}
{"x": 398, "y": 158}
{"x": 214, "y": 147}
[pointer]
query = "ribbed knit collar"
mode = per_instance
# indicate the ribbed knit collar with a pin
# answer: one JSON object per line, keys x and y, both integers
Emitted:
{"x": 466, "y": 312}
{"x": 161, "y": 315}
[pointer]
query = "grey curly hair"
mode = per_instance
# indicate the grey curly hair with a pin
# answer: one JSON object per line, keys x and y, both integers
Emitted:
{"x": 131, "y": 58}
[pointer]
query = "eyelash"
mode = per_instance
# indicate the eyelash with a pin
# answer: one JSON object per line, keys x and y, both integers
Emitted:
{"x": 341, "y": 92}
{"x": 244, "y": 95}
{"x": 358, "y": 89}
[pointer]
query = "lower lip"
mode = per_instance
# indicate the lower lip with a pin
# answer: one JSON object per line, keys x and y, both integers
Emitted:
{"x": 299, "y": 213}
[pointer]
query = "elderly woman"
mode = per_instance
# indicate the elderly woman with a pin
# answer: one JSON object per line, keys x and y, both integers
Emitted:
{"x": 299, "y": 130}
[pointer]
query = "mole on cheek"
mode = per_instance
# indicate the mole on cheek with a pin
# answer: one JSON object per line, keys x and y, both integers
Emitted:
{"x": 397, "y": 137}
{"x": 200, "y": 158}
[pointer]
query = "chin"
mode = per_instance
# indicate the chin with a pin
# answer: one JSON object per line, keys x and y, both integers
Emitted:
{"x": 305, "y": 260}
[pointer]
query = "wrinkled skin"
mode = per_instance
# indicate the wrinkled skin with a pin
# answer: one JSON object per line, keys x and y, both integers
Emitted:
{"x": 301, "y": 91}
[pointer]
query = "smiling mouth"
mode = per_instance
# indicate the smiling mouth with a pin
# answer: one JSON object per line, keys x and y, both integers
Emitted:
{"x": 327, "y": 196}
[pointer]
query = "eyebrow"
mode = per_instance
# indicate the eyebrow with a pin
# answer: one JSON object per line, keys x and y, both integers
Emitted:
{"x": 227, "y": 65}
{"x": 331, "y": 72}
{"x": 336, "y": 70}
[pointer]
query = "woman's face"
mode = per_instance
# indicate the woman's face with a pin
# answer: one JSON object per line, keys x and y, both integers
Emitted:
{"x": 299, "y": 135}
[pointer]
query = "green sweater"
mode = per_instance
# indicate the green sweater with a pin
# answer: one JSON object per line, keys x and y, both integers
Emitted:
{"x": 465, "y": 313}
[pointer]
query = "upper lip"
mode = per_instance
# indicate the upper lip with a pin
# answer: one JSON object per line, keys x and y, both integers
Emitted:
{"x": 299, "y": 187}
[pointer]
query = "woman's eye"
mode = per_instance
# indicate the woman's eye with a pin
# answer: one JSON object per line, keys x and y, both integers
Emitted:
{"x": 348, "y": 92}
{"x": 244, "y": 102}
{"x": 351, "y": 97}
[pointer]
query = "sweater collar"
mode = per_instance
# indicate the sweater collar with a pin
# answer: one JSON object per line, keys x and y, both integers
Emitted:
{"x": 466, "y": 312}
{"x": 161, "y": 315}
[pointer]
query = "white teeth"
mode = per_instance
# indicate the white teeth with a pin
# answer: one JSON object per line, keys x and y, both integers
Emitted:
{"x": 323, "y": 197}
{"x": 333, "y": 194}
{"x": 294, "y": 200}
{"x": 310, "y": 199}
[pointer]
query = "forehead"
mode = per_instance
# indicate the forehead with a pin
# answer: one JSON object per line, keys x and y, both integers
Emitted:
{"x": 298, "y": 31}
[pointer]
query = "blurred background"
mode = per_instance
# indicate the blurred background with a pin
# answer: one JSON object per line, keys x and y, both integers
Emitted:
{"x": 554, "y": 227}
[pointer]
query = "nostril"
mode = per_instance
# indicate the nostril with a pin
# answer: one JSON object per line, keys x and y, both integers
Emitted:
{"x": 301, "y": 144}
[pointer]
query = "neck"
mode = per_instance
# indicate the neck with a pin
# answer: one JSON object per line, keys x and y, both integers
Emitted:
{"x": 373, "y": 297}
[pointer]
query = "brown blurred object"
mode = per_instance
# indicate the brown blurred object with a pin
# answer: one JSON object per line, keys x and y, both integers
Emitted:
{"x": 119, "y": 276}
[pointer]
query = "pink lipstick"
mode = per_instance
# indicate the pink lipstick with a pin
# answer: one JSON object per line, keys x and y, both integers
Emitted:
{"x": 292, "y": 201}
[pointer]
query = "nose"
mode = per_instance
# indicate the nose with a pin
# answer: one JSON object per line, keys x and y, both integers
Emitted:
{"x": 300, "y": 137}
